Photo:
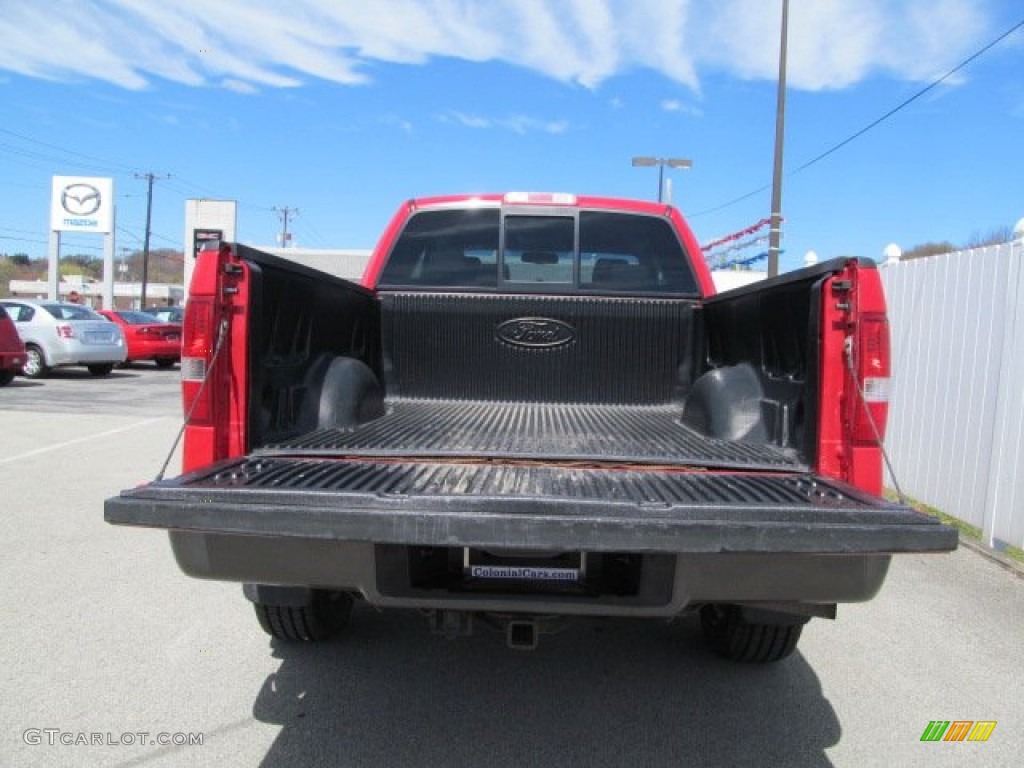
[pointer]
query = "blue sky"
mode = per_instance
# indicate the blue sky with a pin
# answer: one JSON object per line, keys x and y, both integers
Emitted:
{"x": 343, "y": 109}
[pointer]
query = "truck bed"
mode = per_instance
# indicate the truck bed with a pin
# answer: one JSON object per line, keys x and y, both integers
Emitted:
{"x": 486, "y": 443}
{"x": 417, "y": 429}
{"x": 557, "y": 450}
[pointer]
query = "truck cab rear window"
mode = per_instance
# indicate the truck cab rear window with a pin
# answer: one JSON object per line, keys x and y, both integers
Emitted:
{"x": 593, "y": 251}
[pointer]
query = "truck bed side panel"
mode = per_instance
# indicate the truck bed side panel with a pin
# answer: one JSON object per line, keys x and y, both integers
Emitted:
{"x": 300, "y": 319}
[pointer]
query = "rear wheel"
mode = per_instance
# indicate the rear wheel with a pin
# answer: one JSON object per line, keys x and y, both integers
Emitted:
{"x": 165, "y": 362}
{"x": 732, "y": 636}
{"x": 322, "y": 619}
{"x": 102, "y": 369}
{"x": 35, "y": 366}
{"x": 6, "y": 377}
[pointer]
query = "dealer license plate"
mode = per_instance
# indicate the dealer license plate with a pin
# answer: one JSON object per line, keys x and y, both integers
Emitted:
{"x": 566, "y": 567}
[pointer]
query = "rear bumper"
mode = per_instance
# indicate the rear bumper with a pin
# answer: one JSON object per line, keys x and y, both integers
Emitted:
{"x": 77, "y": 353}
{"x": 722, "y": 536}
{"x": 12, "y": 361}
{"x": 154, "y": 349}
{"x": 670, "y": 585}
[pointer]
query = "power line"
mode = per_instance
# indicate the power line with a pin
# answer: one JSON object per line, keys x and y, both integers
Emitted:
{"x": 45, "y": 242}
{"x": 22, "y": 239}
{"x": 205, "y": 193}
{"x": 129, "y": 233}
{"x": 910, "y": 100}
{"x": 732, "y": 202}
{"x": 906, "y": 102}
{"x": 312, "y": 232}
{"x": 33, "y": 159}
{"x": 43, "y": 163}
{"x": 106, "y": 162}
{"x": 25, "y": 186}
{"x": 165, "y": 238}
{"x": 23, "y": 231}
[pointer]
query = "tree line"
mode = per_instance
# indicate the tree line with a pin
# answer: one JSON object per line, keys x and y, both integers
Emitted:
{"x": 166, "y": 265}
{"x": 996, "y": 236}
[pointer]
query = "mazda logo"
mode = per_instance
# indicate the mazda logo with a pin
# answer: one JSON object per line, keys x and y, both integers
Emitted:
{"x": 81, "y": 199}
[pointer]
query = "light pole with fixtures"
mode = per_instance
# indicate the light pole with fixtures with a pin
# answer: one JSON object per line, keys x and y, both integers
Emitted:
{"x": 775, "y": 230}
{"x": 661, "y": 162}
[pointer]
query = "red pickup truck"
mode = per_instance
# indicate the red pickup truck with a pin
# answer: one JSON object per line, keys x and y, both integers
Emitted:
{"x": 535, "y": 407}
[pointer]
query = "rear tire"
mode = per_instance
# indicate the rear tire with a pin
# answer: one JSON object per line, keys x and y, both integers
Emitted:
{"x": 324, "y": 618}
{"x": 735, "y": 638}
{"x": 6, "y": 377}
{"x": 35, "y": 366}
{"x": 102, "y": 369}
{"x": 165, "y": 362}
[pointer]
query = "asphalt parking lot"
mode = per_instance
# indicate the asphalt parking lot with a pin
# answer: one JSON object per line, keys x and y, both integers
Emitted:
{"x": 102, "y": 636}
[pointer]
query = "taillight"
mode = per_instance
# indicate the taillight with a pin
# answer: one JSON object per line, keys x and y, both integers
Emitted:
{"x": 872, "y": 367}
{"x": 144, "y": 331}
{"x": 199, "y": 336}
{"x": 65, "y": 332}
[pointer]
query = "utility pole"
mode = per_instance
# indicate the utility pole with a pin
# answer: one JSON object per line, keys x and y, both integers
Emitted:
{"x": 284, "y": 213}
{"x": 775, "y": 232}
{"x": 150, "y": 178}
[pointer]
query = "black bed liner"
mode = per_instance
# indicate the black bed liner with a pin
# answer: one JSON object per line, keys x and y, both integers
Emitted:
{"x": 529, "y": 505}
{"x": 456, "y": 428}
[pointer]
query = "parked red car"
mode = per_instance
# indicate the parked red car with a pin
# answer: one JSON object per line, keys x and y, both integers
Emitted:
{"x": 12, "y": 349}
{"x": 148, "y": 339}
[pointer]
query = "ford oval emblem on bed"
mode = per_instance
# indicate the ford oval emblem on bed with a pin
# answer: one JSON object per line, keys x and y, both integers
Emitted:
{"x": 536, "y": 332}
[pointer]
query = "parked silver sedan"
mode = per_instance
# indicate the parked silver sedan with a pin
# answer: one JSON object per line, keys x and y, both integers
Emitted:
{"x": 56, "y": 334}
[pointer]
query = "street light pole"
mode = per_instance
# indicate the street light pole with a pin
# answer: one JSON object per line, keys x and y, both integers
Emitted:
{"x": 661, "y": 162}
{"x": 775, "y": 230}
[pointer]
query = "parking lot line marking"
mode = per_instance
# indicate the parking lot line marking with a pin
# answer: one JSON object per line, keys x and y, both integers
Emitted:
{"x": 85, "y": 439}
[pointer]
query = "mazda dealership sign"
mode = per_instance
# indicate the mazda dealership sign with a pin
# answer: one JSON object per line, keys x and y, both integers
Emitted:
{"x": 82, "y": 204}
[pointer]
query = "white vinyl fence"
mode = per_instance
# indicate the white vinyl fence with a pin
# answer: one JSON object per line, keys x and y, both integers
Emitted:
{"x": 956, "y": 417}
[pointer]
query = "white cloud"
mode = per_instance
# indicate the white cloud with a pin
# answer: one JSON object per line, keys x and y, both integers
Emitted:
{"x": 836, "y": 43}
{"x": 469, "y": 121}
{"x": 253, "y": 44}
{"x": 238, "y": 86}
{"x": 675, "y": 106}
{"x": 521, "y": 124}
{"x": 394, "y": 121}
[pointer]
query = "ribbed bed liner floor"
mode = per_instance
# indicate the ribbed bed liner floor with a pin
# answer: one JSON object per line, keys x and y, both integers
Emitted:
{"x": 615, "y": 433}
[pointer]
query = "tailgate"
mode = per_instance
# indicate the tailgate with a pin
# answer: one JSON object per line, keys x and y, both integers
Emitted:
{"x": 597, "y": 508}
